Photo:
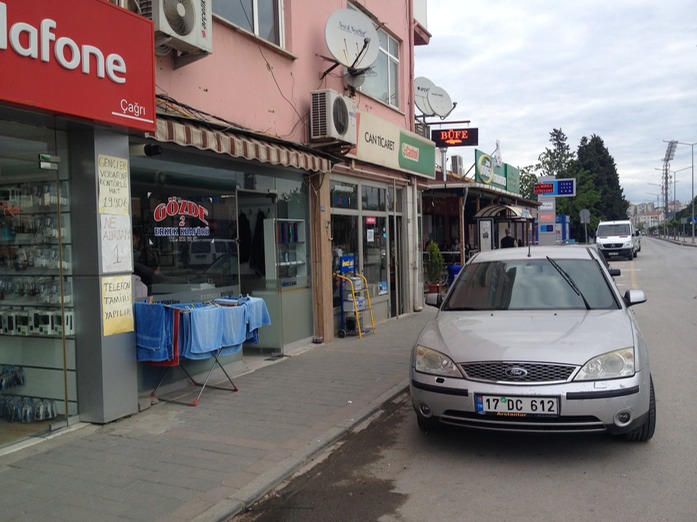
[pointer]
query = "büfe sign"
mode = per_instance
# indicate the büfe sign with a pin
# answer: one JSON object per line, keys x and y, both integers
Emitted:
{"x": 85, "y": 58}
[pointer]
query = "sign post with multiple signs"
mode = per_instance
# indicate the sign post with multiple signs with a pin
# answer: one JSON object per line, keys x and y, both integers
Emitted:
{"x": 548, "y": 189}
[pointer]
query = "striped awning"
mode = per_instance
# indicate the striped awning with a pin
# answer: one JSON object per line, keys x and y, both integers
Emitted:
{"x": 237, "y": 145}
{"x": 505, "y": 211}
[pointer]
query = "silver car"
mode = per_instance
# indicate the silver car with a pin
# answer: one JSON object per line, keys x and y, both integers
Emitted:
{"x": 535, "y": 340}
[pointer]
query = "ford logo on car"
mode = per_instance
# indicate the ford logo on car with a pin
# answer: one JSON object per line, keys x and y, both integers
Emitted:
{"x": 516, "y": 372}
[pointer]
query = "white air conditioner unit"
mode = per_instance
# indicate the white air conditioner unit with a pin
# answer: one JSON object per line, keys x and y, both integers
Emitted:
{"x": 183, "y": 25}
{"x": 457, "y": 165}
{"x": 332, "y": 118}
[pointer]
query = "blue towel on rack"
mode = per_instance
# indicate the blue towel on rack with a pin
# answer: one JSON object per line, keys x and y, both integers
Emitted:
{"x": 153, "y": 332}
{"x": 206, "y": 333}
{"x": 234, "y": 325}
{"x": 257, "y": 316}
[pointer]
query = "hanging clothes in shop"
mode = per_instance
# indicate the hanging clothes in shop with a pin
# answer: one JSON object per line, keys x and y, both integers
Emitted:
{"x": 245, "y": 237}
{"x": 257, "y": 258}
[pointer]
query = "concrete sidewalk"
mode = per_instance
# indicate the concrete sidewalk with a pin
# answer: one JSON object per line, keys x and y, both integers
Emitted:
{"x": 209, "y": 462}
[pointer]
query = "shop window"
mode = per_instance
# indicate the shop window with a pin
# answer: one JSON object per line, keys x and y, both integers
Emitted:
{"x": 263, "y": 18}
{"x": 394, "y": 203}
{"x": 344, "y": 195}
{"x": 184, "y": 242}
{"x": 373, "y": 198}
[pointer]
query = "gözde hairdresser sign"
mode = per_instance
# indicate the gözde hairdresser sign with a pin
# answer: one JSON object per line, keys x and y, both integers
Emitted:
{"x": 84, "y": 58}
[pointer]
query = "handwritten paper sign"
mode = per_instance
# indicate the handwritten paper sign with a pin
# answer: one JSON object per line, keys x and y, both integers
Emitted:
{"x": 117, "y": 304}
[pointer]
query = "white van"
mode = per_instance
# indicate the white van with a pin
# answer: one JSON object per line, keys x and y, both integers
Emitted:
{"x": 617, "y": 239}
{"x": 203, "y": 252}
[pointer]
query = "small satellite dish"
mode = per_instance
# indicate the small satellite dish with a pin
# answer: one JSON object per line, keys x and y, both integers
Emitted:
{"x": 352, "y": 39}
{"x": 421, "y": 87}
{"x": 440, "y": 101}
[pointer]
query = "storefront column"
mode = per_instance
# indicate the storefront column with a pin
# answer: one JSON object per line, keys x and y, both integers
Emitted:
{"x": 413, "y": 261}
{"x": 320, "y": 205}
{"x": 107, "y": 371}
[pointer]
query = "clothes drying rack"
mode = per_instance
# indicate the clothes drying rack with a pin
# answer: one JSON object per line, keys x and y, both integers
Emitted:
{"x": 228, "y": 342}
{"x": 177, "y": 362}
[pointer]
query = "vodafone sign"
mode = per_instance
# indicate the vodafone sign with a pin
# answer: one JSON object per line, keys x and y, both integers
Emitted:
{"x": 85, "y": 58}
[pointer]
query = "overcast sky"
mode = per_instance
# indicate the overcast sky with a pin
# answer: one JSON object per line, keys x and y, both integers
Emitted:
{"x": 625, "y": 70}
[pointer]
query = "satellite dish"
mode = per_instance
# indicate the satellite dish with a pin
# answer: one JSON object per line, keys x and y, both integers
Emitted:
{"x": 352, "y": 39}
{"x": 440, "y": 101}
{"x": 421, "y": 87}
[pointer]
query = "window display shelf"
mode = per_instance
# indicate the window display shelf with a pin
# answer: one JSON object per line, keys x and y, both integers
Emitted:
{"x": 36, "y": 315}
{"x": 285, "y": 251}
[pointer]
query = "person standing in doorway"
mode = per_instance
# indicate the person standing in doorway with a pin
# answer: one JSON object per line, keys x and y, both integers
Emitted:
{"x": 507, "y": 241}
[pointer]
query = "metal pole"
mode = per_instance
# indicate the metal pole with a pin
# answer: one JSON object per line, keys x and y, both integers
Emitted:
{"x": 693, "y": 192}
{"x": 692, "y": 147}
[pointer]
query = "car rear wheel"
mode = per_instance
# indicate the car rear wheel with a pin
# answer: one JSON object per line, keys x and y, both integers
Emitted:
{"x": 645, "y": 431}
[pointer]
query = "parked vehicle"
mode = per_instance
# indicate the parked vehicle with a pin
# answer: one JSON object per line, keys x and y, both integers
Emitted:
{"x": 536, "y": 340}
{"x": 618, "y": 239}
{"x": 204, "y": 251}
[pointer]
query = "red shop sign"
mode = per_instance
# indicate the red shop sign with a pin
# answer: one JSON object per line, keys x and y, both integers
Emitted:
{"x": 371, "y": 220}
{"x": 85, "y": 58}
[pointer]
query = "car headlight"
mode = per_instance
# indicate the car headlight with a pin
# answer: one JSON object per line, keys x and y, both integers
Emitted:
{"x": 619, "y": 363}
{"x": 431, "y": 361}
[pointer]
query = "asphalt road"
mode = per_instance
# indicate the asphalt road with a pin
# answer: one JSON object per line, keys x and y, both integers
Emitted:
{"x": 391, "y": 472}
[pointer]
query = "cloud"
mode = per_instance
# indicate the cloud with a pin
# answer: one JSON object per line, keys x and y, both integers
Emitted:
{"x": 623, "y": 70}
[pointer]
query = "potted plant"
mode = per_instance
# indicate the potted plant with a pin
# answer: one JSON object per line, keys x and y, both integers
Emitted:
{"x": 434, "y": 267}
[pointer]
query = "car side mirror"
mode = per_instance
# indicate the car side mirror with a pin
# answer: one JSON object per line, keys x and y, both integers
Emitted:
{"x": 632, "y": 297}
{"x": 435, "y": 299}
{"x": 614, "y": 272}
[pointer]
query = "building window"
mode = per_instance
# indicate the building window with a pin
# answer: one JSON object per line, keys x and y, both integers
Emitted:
{"x": 344, "y": 195}
{"x": 383, "y": 80}
{"x": 261, "y": 17}
{"x": 373, "y": 198}
{"x": 383, "y": 83}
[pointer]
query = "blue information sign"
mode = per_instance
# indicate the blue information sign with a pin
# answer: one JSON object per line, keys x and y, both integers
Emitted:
{"x": 556, "y": 187}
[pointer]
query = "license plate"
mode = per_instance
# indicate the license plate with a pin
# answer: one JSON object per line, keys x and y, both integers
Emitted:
{"x": 507, "y": 405}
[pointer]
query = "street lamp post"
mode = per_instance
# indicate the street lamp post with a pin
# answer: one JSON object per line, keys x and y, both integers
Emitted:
{"x": 692, "y": 146}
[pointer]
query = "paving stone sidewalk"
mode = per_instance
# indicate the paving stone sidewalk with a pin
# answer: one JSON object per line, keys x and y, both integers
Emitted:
{"x": 208, "y": 462}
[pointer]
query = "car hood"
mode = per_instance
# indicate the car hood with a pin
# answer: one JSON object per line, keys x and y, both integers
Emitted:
{"x": 570, "y": 337}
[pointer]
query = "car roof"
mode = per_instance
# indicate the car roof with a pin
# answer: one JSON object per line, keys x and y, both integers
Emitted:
{"x": 536, "y": 252}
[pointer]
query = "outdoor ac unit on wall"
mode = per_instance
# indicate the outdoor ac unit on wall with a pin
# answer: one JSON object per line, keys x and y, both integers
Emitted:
{"x": 183, "y": 25}
{"x": 332, "y": 118}
{"x": 457, "y": 165}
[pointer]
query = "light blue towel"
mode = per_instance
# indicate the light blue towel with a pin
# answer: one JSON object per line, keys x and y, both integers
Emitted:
{"x": 234, "y": 325}
{"x": 258, "y": 313}
{"x": 206, "y": 331}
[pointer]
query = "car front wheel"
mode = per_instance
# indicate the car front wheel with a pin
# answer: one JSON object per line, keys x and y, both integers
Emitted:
{"x": 426, "y": 424}
{"x": 645, "y": 431}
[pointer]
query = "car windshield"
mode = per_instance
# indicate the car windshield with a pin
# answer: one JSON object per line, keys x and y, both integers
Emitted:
{"x": 613, "y": 230}
{"x": 531, "y": 284}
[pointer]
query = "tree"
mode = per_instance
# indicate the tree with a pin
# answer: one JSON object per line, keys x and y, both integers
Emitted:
{"x": 595, "y": 158}
{"x": 527, "y": 183}
{"x": 555, "y": 161}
